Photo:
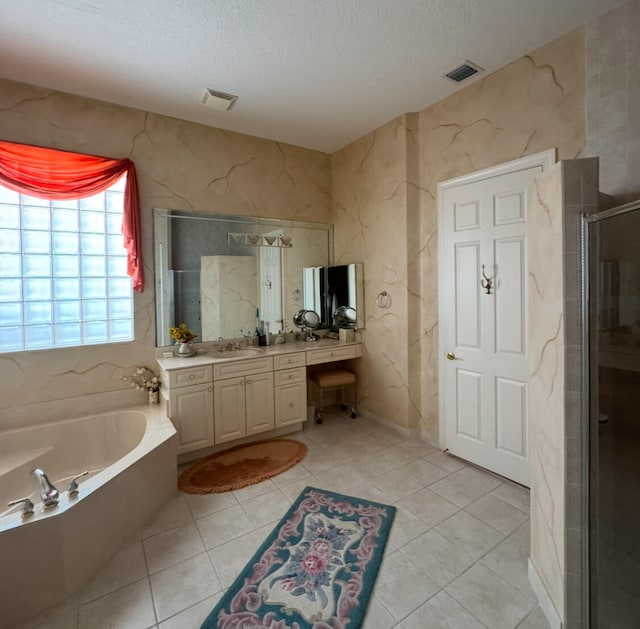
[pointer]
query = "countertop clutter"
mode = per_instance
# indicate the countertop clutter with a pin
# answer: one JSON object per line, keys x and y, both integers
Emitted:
{"x": 211, "y": 356}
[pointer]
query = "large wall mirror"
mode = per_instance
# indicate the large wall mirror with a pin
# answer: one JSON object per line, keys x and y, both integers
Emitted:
{"x": 215, "y": 272}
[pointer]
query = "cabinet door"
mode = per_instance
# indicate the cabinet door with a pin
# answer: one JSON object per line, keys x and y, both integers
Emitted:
{"x": 291, "y": 404}
{"x": 191, "y": 410}
{"x": 229, "y": 407}
{"x": 260, "y": 413}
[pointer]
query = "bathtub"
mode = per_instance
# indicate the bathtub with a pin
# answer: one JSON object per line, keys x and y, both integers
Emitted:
{"x": 131, "y": 458}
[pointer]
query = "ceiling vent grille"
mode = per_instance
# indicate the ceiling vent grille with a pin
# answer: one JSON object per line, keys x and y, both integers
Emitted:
{"x": 218, "y": 100}
{"x": 464, "y": 71}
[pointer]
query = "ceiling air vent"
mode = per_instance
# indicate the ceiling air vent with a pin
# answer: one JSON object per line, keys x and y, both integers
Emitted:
{"x": 463, "y": 72}
{"x": 218, "y": 100}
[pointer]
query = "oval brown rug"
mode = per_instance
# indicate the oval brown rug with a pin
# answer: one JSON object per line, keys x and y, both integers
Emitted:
{"x": 241, "y": 466}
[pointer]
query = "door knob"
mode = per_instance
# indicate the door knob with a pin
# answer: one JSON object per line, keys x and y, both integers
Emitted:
{"x": 451, "y": 356}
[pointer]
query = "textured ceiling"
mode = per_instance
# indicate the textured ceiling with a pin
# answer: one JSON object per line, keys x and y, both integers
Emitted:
{"x": 315, "y": 73}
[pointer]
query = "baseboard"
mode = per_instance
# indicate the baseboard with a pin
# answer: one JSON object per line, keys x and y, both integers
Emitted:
{"x": 405, "y": 433}
{"x": 544, "y": 600}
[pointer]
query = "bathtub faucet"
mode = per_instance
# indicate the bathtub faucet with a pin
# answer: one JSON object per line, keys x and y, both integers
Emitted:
{"x": 48, "y": 492}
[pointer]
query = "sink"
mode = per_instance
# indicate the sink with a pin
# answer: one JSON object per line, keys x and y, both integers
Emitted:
{"x": 239, "y": 353}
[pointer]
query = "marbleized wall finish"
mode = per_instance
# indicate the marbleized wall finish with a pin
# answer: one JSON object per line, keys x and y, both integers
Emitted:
{"x": 546, "y": 395}
{"x": 556, "y": 201}
{"x": 385, "y": 208}
{"x": 370, "y": 220}
{"x": 613, "y": 99}
{"x": 533, "y": 104}
{"x": 180, "y": 165}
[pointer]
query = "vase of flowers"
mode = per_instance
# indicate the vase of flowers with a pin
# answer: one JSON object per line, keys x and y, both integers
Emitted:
{"x": 144, "y": 379}
{"x": 183, "y": 336}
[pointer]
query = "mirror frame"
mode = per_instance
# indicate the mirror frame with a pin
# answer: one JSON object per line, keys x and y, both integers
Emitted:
{"x": 161, "y": 242}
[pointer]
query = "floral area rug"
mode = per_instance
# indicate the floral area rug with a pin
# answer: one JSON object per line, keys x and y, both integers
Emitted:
{"x": 315, "y": 570}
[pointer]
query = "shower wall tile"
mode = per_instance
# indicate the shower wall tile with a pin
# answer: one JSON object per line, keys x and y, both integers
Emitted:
{"x": 180, "y": 165}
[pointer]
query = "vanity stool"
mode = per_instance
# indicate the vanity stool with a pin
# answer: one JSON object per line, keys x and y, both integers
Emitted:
{"x": 334, "y": 379}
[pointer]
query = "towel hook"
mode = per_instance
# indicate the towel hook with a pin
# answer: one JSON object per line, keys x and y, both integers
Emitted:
{"x": 486, "y": 282}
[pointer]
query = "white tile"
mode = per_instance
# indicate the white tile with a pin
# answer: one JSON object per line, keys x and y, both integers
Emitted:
{"x": 515, "y": 495}
{"x": 266, "y": 508}
{"x": 223, "y": 526}
{"x": 419, "y": 448}
{"x": 367, "y": 491}
{"x": 405, "y": 527}
{"x": 205, "y": 504}
{"x": 509, "y": 559}
{"x": 465, "y": 486}
{"x": 229, "y": 559}
{"x": 192, "y": 617}
{"x": 535, "y": 620}
{"x": 342, "y": 476}
{"x": 424, "y": 471}
{"x": 401, "y": 586}
{"x": 489, "y": 598}
{"x": 173, "y": 513}
{"x": 470, "y": 534}
{"x": 297, "y": 472}
{"x": 437, "y": 556}
{"x": 126, "y": 566}
{"x": 378, "y": 617}
{"x": 497, "y": 513}
{"x": 445, "y": 461}
{"x": 397, "y": 484}
{"x": 428, "y": 506}
{"x": 130, "y": 607}
{"x": 319, "y": 462}
{"x": 441, "y": 612}
{"x": 246, "y": 493}
{"x": 293, "y": 490}
{"x": 172, "y": 546}
{"x": 183, "y": 585}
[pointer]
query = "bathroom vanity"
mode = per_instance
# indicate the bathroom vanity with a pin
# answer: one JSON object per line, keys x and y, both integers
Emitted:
{"x": 221, "y": 398}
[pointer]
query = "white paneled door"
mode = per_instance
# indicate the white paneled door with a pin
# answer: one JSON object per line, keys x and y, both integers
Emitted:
{"x": 483, "y": 315}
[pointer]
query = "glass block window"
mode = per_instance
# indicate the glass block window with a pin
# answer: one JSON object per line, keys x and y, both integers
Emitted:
{"x": 63, "y": 272}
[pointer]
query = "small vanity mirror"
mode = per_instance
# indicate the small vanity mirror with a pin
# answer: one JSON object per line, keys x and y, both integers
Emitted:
{"x": 336, "y": 293}
{"x": 216, "y": 272}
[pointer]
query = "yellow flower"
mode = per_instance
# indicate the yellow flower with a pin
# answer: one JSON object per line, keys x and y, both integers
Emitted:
{"x": 182, "y": 334}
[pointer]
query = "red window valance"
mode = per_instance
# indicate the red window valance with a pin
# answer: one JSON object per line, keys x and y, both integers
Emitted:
{"x": 54, "y": 174}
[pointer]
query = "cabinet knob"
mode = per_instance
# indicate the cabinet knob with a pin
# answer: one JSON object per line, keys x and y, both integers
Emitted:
{"x": 210, "y": 389}
{"x": 192, "y": 376}
{"x": 291, "y": 404}
{"x": 249, "y": 382}
{"x": 290, "y": 377}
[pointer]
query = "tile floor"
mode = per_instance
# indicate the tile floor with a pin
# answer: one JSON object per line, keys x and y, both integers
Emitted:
{"x": 456, "y": 556}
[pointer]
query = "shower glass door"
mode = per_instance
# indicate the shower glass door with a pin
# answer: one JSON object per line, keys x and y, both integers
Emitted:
{"x": 612, "y": 265}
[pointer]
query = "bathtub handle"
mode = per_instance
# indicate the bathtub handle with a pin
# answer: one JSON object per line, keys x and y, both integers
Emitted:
{"x": 73, "y": 487}
{"x": 27, "y": 506}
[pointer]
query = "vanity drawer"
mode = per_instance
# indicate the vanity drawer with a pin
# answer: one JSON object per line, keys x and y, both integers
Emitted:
{"x": 192, "y": 375}
{"x": 287, "y": 361}
{"x": 330, "y": 354}
{"x": 289, "y": 376}
{"x": 242, "y": 368}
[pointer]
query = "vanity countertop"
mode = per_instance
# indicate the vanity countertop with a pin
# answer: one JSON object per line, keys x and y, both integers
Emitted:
{"x": 212, "y": 356}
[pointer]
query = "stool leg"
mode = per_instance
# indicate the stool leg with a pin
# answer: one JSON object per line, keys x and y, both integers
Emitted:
{"x": 343, "y": 406}
{"x": 354, "y": 414}
{"x": 319, "y": 414}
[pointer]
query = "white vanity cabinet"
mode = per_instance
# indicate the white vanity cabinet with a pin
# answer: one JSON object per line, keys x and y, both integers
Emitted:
{"x": 222, "y": 400}
{"x": 290, "y": 382}
{"x": 243, "y": 404}
{"x": 190, "y": 407}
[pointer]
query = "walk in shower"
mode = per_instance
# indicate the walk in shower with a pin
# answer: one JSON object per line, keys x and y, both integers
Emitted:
{"x": 611, "y": 436}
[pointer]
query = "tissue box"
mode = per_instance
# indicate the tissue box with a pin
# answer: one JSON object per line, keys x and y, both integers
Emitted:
{"x": 347, "y": 336}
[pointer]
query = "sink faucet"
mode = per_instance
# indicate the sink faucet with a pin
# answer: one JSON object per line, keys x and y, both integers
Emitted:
{"x": 48, "y": 493}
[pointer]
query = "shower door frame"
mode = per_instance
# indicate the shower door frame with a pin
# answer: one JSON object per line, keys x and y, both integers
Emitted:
{"x": 585, "y": 398}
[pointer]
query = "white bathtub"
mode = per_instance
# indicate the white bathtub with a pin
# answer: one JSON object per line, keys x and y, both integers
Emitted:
{"x": 131, "y": 456}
